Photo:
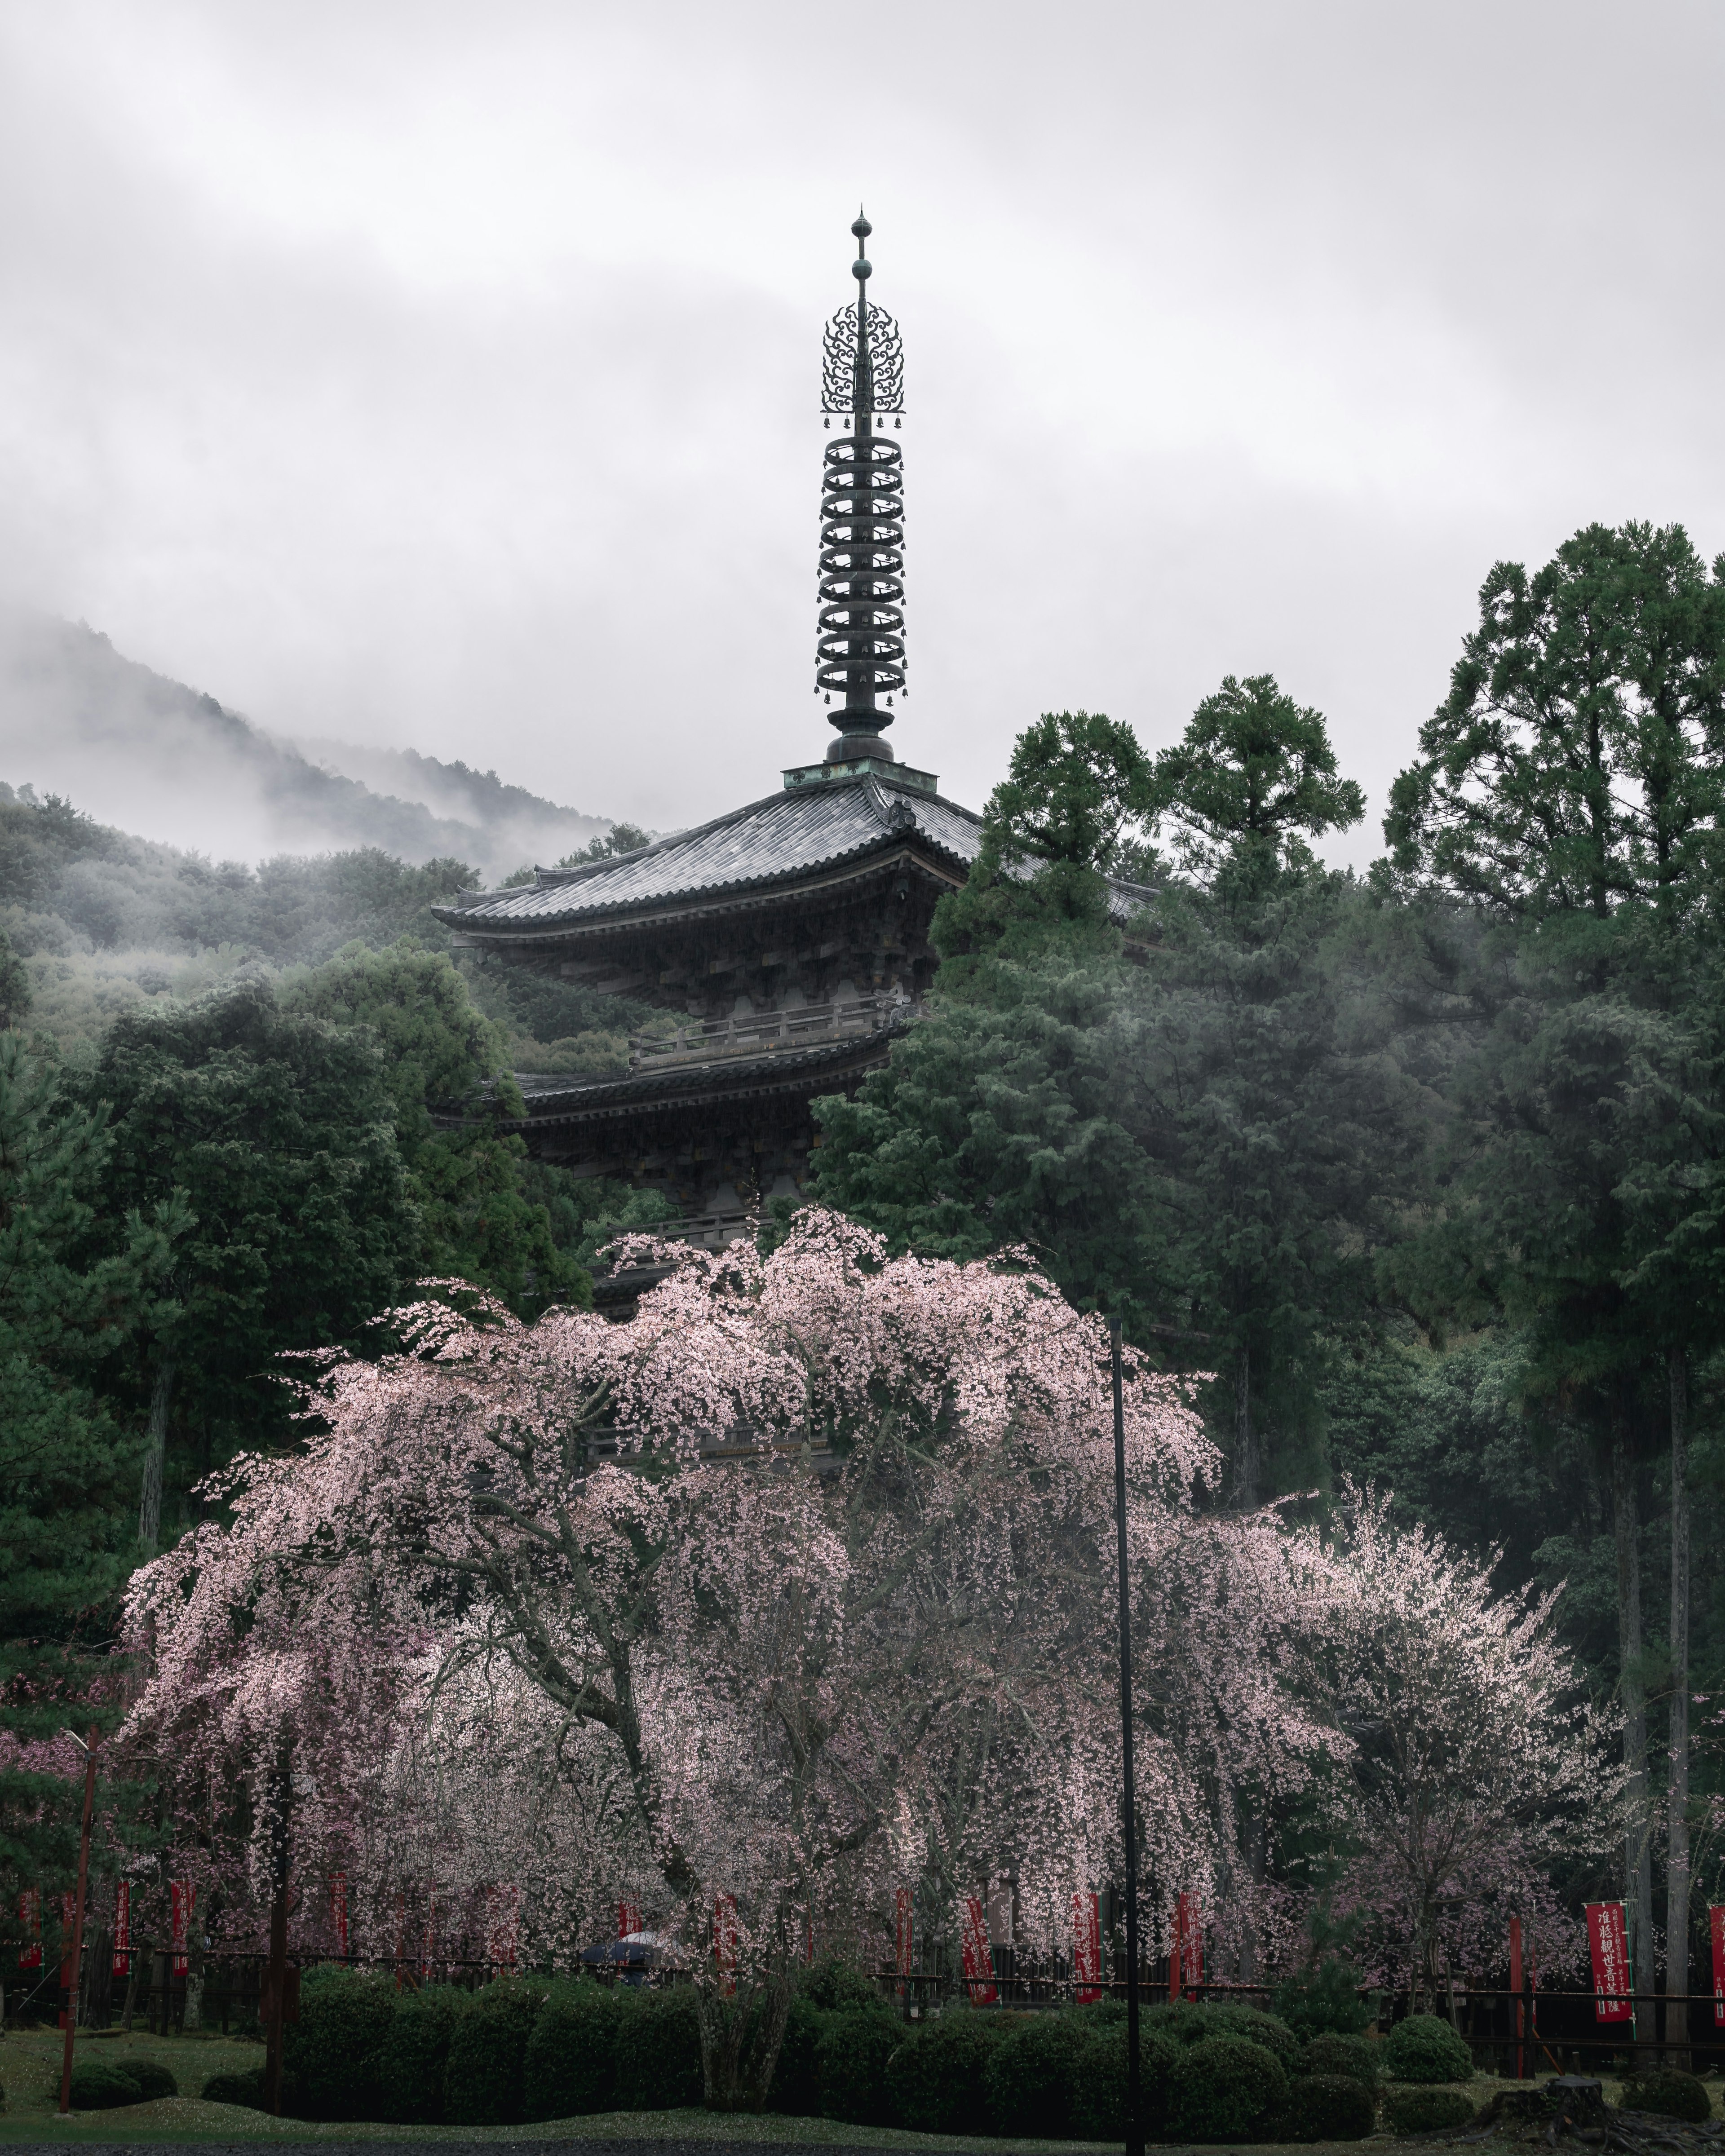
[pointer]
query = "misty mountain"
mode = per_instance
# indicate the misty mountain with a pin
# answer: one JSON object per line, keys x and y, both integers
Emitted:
{"x": 135, "y": 749}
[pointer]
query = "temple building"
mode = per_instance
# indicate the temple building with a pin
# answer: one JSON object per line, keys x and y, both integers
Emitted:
{"x": 789, "y": 940}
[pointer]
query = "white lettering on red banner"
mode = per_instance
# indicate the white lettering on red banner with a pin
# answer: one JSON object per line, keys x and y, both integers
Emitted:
{"x": 29, "y": 1923}
{"x": 979, "y": 1962}
{"x": 1715, "y": 1924}
{"x": 1608, "y": 1942}
{"x": 724, "y": 1941}
{"x": 338, "y": 1911}
{"x": 182, "y": 1901}
{"x": 122, "y": 1928}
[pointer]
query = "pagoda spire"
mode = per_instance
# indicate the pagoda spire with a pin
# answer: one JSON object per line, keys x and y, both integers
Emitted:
{"x": 861, "y": 650}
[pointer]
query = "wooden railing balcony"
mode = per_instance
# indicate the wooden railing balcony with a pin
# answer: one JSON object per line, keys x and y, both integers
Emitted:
{"x": 757, "y": 1033}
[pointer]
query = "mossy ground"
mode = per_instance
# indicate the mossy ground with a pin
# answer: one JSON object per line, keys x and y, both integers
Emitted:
{"x": 30, "y": 2065}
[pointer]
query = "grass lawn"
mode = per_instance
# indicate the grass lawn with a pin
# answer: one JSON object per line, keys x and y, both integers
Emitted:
{"x": 30, "y": 2070}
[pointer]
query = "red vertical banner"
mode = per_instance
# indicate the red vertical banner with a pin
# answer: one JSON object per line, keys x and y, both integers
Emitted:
{"x": 182, "y": 1901}
{"x": 122, "y": 1928}
{"x": 903, "y": 1935}
{"x": 629, "y": 1919}
{"x": 1515, "y": 1986}
{"x": 29, "y": 1923}
{"x": 1608, "y": 1942}
{"x": 979, "y": 1962}
{"x": 1087, "y": 1947}
{"x": 338, "y": 1912}
{"x": 1716, "y": 1925}
{"x": 724, "y": 1941}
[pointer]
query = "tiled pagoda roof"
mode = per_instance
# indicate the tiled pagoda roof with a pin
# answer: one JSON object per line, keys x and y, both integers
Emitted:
{"x": 785, "y": 839}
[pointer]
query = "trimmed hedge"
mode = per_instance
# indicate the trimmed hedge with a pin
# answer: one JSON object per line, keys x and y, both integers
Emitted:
{"x": 934, "y": 2079}
{"x": 1327, "y": 2107}
{"x": 329, "y": 2058}
{"x": 152, "y": 2077}
{"x": 246, "y": 2088}
{"x": 1355, "y": 2056}
{"x": 413, "y": 2056}
{"x": 1187, "y": 2023}
{"x": 1326, "y": 2002}
{"x": 103, "y": 2085}
{"x": 796, "y": 2079}
{"x": 1098, "y": 2080}
{"x": 570, "y": 2069}
{"x": 1028, "y": 2081}
{"x": 851, "y": 2060}
{"x": 659, "y": 2051}
{"x": 1668, "y": 2092}
{"x": 1427, "y": 2107}
{"x": 1426, "y": 2048}
{"x": 1224, "y": 2088}
{"x": 487, "y": 2056}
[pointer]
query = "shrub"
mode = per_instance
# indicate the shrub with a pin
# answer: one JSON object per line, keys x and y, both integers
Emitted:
{"x": 1190, "y": 2024}
{"x": 1326, "y": 2002}
{"x": 658, "y": 2051}
{"x": 103, "y": 2085}
{"x": 1355, "y": 2056}
{"x": 1425, "y": 2109}
{"x": 1327, "y": 2107}
{"x": 329, "y": 2058}
{"x": 1669, "y": 2091}
{"x": 413, "y": 2056}
{"x": 488, "y": 2053}
{"x": 1223, "y": 2088}
{"x": 246, "y": 2088}
{"x": 570, "y": 2066}
{"x": 850, "y": 2064}
{"x": 152, "y": 2077}
{"x": 1028, "y": 2081}
{"x": 833, "y": 1983}
{"x": 935, "y": 2077}
{"x": 1424, "y": 2048}
{"x": 1099, "y": 2079}
{"x": 796, "y": 2079}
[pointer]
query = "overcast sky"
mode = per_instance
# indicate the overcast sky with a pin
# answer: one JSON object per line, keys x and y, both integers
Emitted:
{"x": 447, "y": 376}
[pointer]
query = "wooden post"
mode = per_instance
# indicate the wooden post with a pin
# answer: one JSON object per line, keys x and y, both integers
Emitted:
{"x": 89, "y": 1759}
{"x": 1515, "y": 1986}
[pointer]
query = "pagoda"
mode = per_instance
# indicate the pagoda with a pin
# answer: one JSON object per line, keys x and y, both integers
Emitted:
{"x": 789, "y": 940}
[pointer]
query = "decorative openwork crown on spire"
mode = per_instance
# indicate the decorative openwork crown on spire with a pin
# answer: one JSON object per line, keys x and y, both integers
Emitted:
{"x": 862, "y": 355}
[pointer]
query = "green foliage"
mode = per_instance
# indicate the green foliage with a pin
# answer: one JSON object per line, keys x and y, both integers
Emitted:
{"x": 68, "y": 1463}
{"x": 16, "y": 994}
{"x": 1407, "y": 2112}
{"x": 1254, "y": 777}
{"x": 1183, "y": 2022}
{"x": 659, "y": 2051}
{"x": 413, "y": 2056}
{"x": 1030, "y": 2083}
{"x": 796, "y": 2078}
{"x": 835, "y": 1981}
{"x": 330, "y": 2056}
{"x": 850, "y": 2062}
{"x": 245, "y": 2088}
{"x": 571, "y": 2064}
{"x": 1336, "y": 2052}
{"x": 276, "y": 1132}
{"x": 487, "y": 2057}
{"x": 1099, "y": 2077}
{"x": 1224, "y": 2088}
{"x": 99, "y": 2084}
{"x": 476, "y": 1220}
{"x": 153, "y": 2078}
{"x": 1668, "y": 2092}
{"x": 1424, "y": 2048}
{"x": 1328, "y": 2108}
{"x": 935, "y": 2078}
{"x": 1326, "y": 1999}
{"x": 1077, "y": 780}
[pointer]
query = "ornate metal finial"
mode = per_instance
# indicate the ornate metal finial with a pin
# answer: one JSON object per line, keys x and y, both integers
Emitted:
{"x": 861, "y": 648}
